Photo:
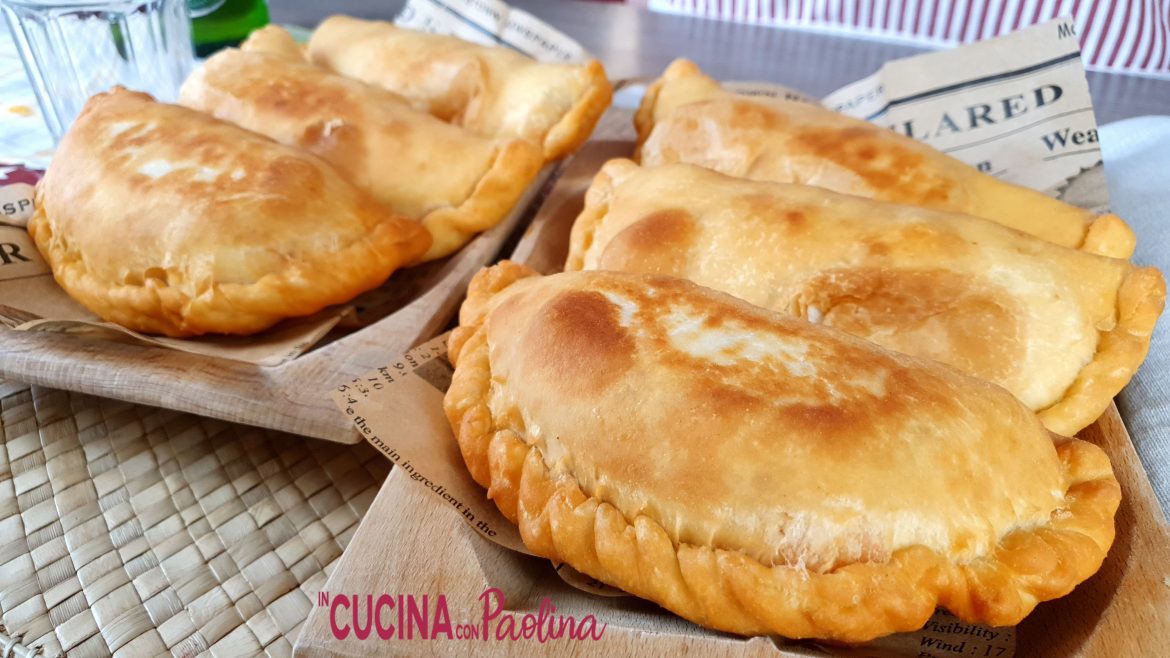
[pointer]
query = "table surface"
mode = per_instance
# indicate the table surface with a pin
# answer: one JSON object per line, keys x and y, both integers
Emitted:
{"x": 633, "y": 43}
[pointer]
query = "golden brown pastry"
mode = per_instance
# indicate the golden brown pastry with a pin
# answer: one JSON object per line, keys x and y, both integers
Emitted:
{"x": 1062, "y": 329}
{"x": 496, "y": 92}
{"x": 456, "y": 183}
{"x": 686, "y": 117}
{"x": 168, "y": 221}
{"x": 759, "y": 474}
{"x": 276, "y": 40}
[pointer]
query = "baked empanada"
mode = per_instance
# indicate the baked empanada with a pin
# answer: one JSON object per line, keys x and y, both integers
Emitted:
{"x": 456, "y": 183}
{"x": 168, "y": 221}
{"x": 759, "y": 474}
{"x": 1062, "y": 329}
{"x": 496, "y": 92}
{"x": 276, "y": 40}
{"x": 686, "y": 117}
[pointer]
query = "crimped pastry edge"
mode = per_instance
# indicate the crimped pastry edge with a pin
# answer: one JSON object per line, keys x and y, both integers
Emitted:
{"x": 513, "y": 169}
{"x": 575, "y": 127}
{"x": 1121, "y": 350}
{"x": 729, "y": 591}
{"x": 597, "y": 200}
{"x": 231, "y": 308}
{"x": 1109, "y": 235}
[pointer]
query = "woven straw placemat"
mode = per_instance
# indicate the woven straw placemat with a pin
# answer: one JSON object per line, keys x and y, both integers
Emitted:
{"x": 133, "y": 531}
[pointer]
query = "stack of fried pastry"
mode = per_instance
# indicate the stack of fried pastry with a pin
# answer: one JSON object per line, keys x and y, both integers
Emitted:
{"x": 806, "y": 377}
{"x": 290, "y": 179}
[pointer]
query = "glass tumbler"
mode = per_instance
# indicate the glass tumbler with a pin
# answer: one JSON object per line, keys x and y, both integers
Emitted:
{"x": 74, "y": 49}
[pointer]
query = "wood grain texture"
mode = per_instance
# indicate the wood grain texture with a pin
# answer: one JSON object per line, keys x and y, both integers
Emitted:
{"x": 291, "y": 397}
{"x": 412, "y": 542}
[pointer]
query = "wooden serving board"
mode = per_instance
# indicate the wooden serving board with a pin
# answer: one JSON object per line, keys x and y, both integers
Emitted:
{"x": 291, "y": 397}
{"x": 412, "y": 542}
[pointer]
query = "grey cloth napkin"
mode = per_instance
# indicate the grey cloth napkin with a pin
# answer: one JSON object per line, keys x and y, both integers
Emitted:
{"x": 1137, "y": 165}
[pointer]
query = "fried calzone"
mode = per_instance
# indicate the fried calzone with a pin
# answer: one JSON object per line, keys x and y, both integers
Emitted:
{"x": 759, "y": 474}
{"x": 169, "y": 221}
{"x": 687, "y": 117}
{"x": 491, "y": 91}
{"x": 456, "y": 183}
{"x": 1062, "y": 329}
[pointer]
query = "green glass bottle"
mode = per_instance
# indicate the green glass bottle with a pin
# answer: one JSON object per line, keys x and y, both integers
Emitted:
{"x": 218, "y": 24}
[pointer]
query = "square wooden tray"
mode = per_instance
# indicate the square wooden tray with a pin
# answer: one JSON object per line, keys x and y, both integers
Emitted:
{"x": 411, "y": 542}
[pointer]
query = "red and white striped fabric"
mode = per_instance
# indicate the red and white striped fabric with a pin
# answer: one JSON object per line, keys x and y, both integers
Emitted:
{"x": 1128, "y": 35}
